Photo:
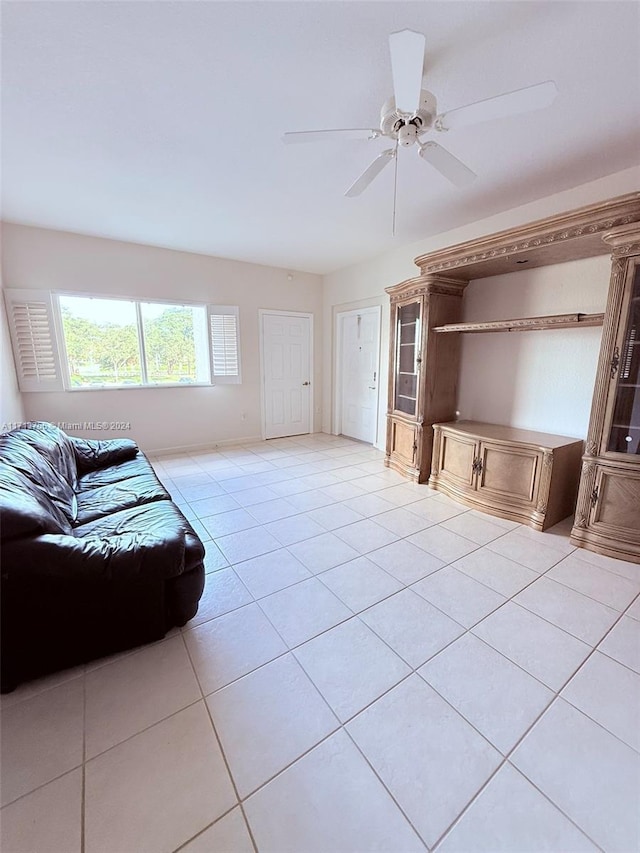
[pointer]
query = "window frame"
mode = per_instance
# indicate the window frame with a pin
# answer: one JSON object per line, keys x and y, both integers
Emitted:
{"x": 137, "y": 302}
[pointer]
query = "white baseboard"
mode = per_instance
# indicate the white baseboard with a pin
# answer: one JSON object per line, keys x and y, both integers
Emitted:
{"x": 212, "y": 445}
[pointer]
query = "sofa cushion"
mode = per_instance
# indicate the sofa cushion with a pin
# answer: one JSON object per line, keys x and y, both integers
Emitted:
{"x": 50, "y": 468}
{"x": 105, "y": 500}
{"x": 113, "y": 474}
{"x": 137, "y": 555}
{"x": 26, "y": 508}
{"x": 52, "y": 444}
{"x": 155, "y": 519}
{"x": 91, "y": 455}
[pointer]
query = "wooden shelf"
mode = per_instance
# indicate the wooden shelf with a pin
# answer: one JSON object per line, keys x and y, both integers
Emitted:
{"x": 526, "y": 324}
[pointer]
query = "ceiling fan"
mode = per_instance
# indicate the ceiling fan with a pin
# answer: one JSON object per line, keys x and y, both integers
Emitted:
{"x": 412, "y": 112}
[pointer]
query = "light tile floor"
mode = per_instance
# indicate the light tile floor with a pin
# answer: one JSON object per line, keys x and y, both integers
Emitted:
{"x": 373, "y": 667}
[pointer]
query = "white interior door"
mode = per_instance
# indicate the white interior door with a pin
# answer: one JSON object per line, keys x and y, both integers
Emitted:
{"x": 286, "y": 372}
{"x": 359, "y": 373}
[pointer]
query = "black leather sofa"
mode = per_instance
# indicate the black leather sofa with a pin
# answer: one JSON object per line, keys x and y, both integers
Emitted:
{"x": 95, "y": 557}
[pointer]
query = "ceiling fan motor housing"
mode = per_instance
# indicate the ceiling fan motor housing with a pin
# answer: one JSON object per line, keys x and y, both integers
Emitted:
{"x": 407, "y": 128}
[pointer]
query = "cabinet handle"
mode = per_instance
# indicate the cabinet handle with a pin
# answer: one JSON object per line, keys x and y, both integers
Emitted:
{"x": 477, "y": 465}
{"x": 615, "y": 361}
{"x": 594, "y": 496}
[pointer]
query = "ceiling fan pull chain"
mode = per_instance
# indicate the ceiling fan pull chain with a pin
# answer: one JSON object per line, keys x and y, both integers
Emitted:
{"x": 395, "y": 190}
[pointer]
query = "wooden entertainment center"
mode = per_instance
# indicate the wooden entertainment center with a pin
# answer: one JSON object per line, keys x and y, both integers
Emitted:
{"x": 426, "y": 324}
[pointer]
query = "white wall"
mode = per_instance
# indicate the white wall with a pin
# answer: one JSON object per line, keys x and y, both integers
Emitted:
{"x": 11, "y": 408}
{"x": 544, "y": 401}
{"x": 536, "y": 380}
{"x": 162, "y": 418}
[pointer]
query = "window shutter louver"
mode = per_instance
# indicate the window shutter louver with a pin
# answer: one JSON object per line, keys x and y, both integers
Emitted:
{"x": 33, "y": 337}
{"x": 225, "y": 338}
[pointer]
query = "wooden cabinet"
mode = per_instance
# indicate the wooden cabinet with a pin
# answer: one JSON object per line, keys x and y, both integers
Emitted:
{"x": 518, "y": 474}
{"x": 608, "y": 507}
{"x": 423, "y": 371}
{"x": 520, "y": 478}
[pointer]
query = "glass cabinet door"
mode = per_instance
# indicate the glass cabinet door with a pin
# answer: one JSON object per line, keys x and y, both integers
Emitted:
{"x": 407, "y": 360}
{"x": 624, "y": 436}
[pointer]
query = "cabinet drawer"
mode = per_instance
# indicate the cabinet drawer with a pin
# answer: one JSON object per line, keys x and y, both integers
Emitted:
{"x": 509, "y": 473}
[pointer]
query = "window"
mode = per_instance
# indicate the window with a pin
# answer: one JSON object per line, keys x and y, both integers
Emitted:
{"x": 175, "y": 343}
{"x": 109, "y": 343}
{"x": 101, "y": 341}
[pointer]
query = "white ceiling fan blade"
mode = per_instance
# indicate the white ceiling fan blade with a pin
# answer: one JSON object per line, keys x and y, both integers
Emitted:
{"x": 370, "y": 173}
{"x": 449, "y": 166}
{"x": 329, "y": 135}
{"x": 407, "y": 61}
{"x": 510, "y": 104}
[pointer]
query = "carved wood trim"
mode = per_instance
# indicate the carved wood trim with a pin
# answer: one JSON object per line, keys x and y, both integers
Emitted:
{"x": 545, "y": 482}
{"x": 437, "y": 444}
{"x": 610, "y": 334}
{"x": 566, "y": 236}
{"x": 624, "y": 240}
{"x": 425, "y": 286}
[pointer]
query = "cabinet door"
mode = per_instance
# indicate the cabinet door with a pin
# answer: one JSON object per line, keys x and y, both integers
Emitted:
{"x": 457, "y": 454}
{"x": 403, "y": 444}
{"x": 616, "y": 503}
{"x": 407, "y": 357}
{"x": 509, "y": 474}
{"x": 622, "y": 431}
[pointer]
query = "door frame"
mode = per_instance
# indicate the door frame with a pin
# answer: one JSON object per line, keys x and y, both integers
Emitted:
{"x": 263, "y": 413}
{"x": 340, "y": 317}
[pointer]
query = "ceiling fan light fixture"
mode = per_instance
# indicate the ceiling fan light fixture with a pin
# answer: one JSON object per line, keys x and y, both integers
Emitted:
{"x": 407, "y": 134}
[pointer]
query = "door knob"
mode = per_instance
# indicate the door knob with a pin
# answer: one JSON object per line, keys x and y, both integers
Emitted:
{"x": 306, "y": 383}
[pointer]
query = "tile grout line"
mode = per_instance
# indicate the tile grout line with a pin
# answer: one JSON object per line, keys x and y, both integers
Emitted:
{"x": 375, "y": 773}
{"x": 83, "y": 798}
{"x": 507, "y": 756}
{"x": 200, "y": 832}
{"x": 220, "y": 746}
{"x": 506, "y": 760}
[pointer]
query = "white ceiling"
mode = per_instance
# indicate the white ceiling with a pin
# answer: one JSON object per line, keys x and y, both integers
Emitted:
{"x": 160, "y": 122}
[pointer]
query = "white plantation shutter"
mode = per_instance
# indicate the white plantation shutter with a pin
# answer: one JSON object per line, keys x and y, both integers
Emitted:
{"x": 33, "y": 336}
{"x": 224, "y": 335}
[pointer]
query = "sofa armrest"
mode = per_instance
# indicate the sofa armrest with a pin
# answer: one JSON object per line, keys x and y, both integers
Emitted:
{"x": 118, "y": 557}
{"x": 92, "y": 454}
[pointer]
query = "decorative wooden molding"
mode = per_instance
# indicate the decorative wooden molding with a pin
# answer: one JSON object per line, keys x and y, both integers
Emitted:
{"x": 566, "y": 236}
{"x": 624, "y": 240}
{"x": 580, "y": 522}
{"x": 609, "y": 335}
{"x": 526, "y": 324}
{"x": 426, "y": 285}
